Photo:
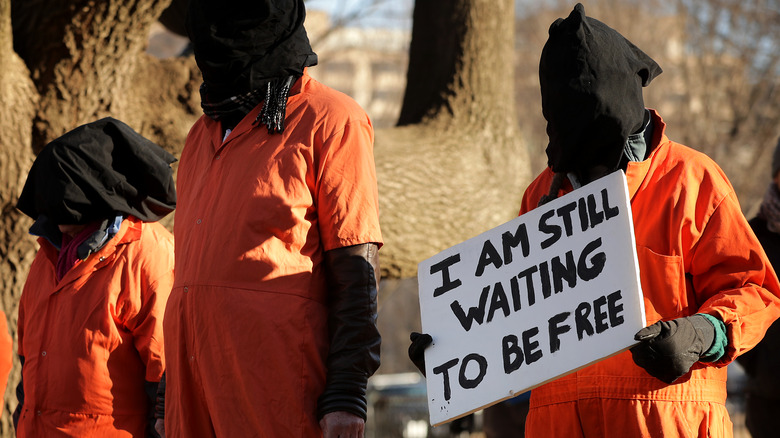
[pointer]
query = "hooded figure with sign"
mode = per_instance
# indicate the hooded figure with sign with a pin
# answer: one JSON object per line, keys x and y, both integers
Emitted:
{"x": 709, "y": 290}
{"x": 271, "y": 326}
{"x": 91, "y": 312}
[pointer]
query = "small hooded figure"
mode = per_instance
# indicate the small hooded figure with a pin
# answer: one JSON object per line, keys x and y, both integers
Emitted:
{"x": 710, "y": 293}
{"x": 271, "y": 326}
{"x": 90, "y": 315}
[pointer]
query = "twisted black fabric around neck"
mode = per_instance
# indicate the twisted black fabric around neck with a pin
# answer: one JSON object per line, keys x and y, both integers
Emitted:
{"x": 232, "y": 107}
{"x": 275, "y": 105}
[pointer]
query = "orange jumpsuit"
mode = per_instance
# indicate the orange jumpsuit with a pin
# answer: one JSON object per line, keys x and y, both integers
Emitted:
{"x": 93, "y": 339}
{"x": 6, "y": 352}
{"x": 246, "y": 325}
{"x": 696, "y": 253}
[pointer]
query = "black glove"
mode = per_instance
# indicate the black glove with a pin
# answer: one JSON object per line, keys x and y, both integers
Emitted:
{"x": 668, "y": 349}
{"x": 159, "y": 401}
{"x": 420, "y": 341}
{"x": 152, "y": 390}
{"x": 353, "y": 282}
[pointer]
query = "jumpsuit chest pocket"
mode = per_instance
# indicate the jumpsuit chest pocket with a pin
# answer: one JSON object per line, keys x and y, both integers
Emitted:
{"x": 663, "y": 284}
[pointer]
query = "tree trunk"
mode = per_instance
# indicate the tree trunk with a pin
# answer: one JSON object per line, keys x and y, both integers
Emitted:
{"x": 17, "y": 248}
{"x": 455, "y": 166}
{"x": 87, "y": 60}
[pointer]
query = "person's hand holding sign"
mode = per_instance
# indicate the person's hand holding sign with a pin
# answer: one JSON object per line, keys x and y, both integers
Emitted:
{"x": 420, "y": 341}
{"x": 668, "y": 349}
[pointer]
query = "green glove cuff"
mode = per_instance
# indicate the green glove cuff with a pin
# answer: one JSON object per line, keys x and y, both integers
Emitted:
{"x": 718, "y": 348}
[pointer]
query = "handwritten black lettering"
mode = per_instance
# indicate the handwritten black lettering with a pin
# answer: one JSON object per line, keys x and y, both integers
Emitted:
{"x": 556, "y": 329}
{"x": 474, "y": 313}
{"x": 552, "y": 229}
{"x": 444, "y": 267}
{"x": 445, "y": 370}
{"x": 481, "y": 362}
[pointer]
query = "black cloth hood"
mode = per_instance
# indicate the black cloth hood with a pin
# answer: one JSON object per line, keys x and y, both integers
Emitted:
{"x": 241, "y": 46}
{"x": 96, "y": 171}
{"x": 591, "y": 81}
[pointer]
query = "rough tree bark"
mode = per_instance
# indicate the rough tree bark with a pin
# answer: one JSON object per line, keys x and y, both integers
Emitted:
{"x": 455, "y": 166}
{"x": 87, "y": 60}
{"x": 17, "y": 106}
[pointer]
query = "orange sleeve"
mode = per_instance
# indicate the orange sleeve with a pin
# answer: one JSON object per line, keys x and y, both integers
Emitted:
{"x": 146, "y": 319}
{"x": 734, "y": 279}
{"x": 148, "y": 329}
{"x": 347, "y": 198}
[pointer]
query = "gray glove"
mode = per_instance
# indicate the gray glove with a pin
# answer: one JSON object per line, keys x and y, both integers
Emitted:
{"x": 668, "y": 349}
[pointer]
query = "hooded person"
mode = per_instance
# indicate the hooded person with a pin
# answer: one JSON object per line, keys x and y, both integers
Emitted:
{"x": 248, "y": 54}
{"x": 90, "y": 315}
{"x": 271, "y": 325}
{"x": 709, "y": 290}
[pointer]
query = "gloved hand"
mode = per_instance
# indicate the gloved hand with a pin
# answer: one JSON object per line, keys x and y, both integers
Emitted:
{"x": 420, "y": 341}
{"x": 668, "y": 349}
{"x": 159, "y": 408}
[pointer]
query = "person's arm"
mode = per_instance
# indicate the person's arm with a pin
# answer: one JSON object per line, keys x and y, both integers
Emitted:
{"x": 733, "y": 279}
{"x": 738, "y": 295}
{"x": 354, "y": 338}
{"x": 146, "y": 327}
{"x": 347, "y": 203}
{"x": 143, "y": 310}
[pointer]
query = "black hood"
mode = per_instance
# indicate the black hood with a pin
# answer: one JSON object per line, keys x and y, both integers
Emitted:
{"x": 96, "y": 171}
{"x": 591, "y": 81}
{"x": 240, "y": 46}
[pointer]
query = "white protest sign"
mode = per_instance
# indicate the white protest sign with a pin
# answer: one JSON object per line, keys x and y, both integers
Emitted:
{"x": 536, "y": 298}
